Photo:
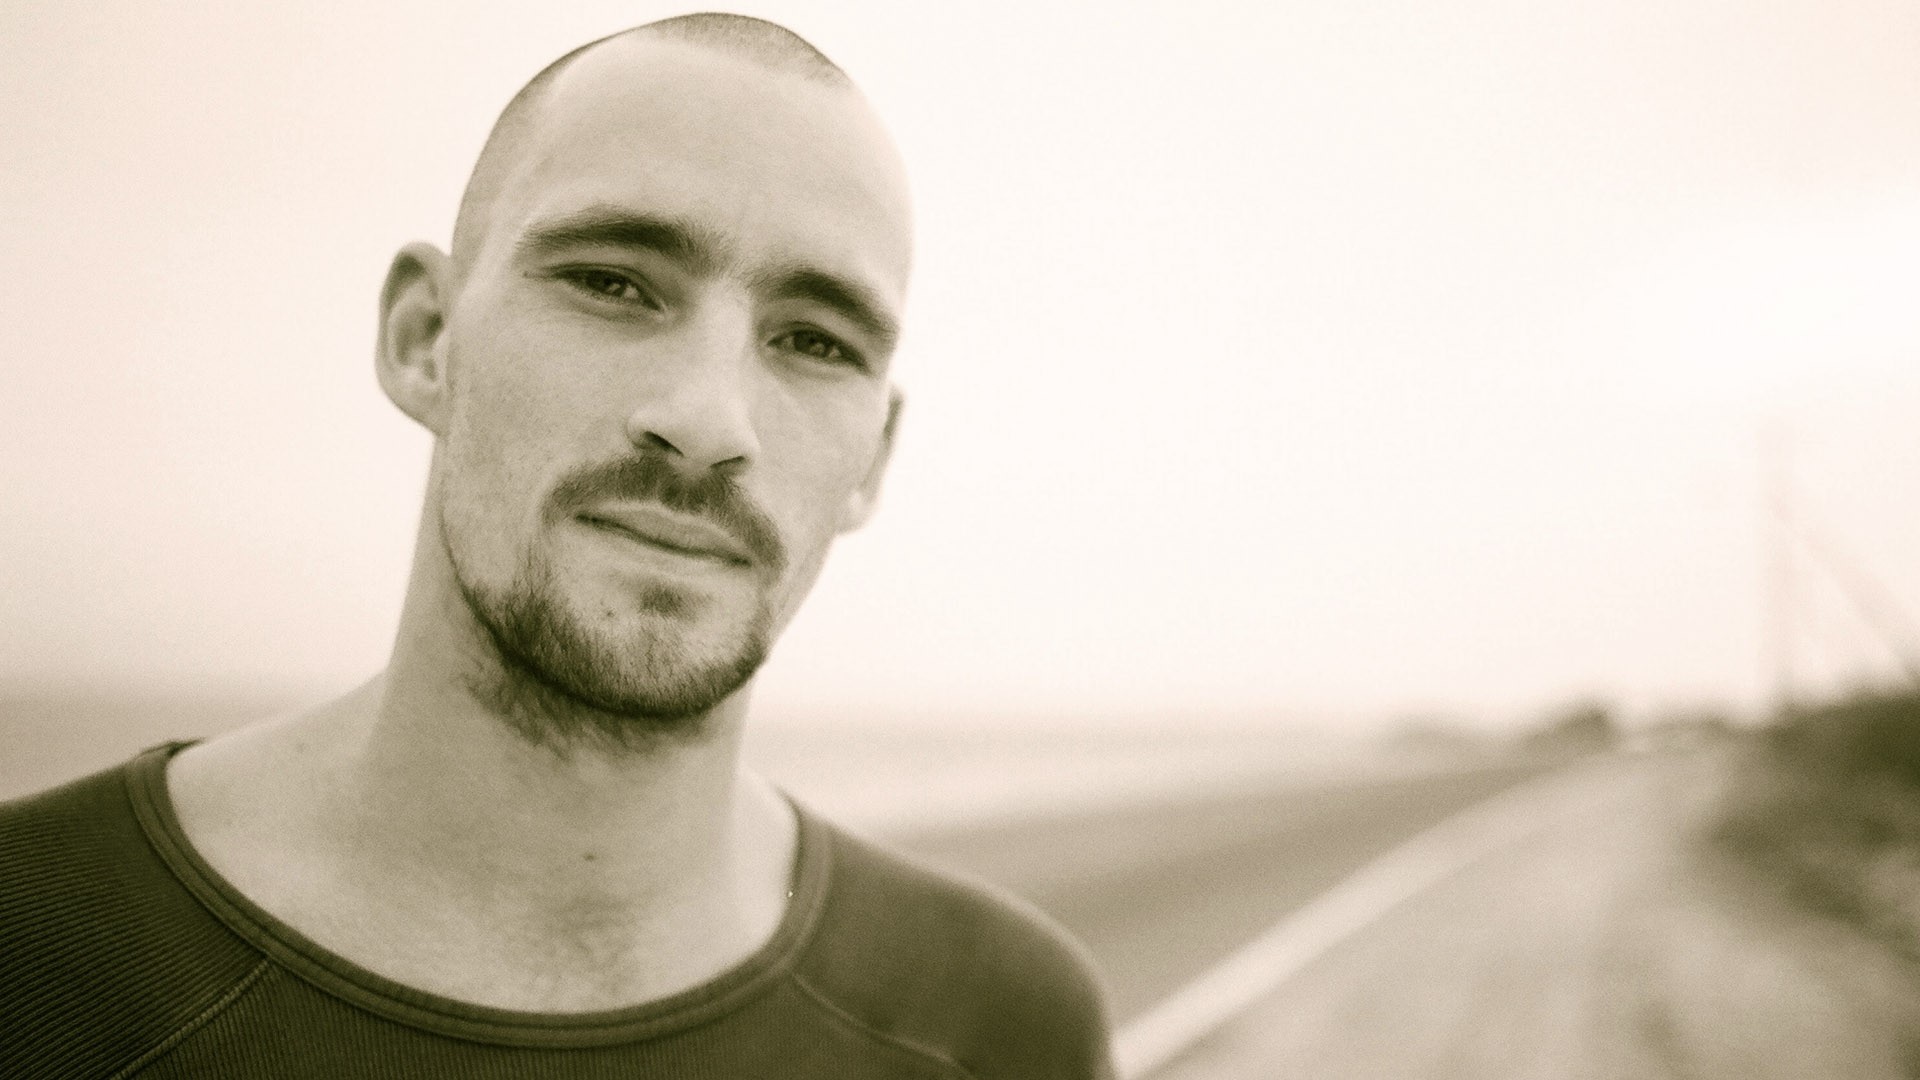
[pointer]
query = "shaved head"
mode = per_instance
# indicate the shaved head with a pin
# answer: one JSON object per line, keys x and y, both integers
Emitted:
{"x": 757, "y": 41}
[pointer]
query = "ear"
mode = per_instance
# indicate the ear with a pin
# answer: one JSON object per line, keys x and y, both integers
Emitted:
{"x": 410, "y": 355}
{"x": 862, "y": 500}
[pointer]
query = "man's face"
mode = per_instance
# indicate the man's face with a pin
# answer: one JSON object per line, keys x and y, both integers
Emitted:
{"x": 667, "y": 372}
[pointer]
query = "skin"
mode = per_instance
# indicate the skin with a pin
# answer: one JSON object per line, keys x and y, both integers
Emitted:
{"x": 414, "y": 826}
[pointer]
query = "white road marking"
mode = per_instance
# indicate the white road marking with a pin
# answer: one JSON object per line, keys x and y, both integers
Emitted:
{"x": 1264, "y": 964}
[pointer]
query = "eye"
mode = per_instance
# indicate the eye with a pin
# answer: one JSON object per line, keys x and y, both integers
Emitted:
{"x": 819, "y": 346}
{"x": 607, "y": 284}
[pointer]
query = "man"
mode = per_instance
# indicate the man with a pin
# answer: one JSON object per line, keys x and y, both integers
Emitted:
{"x": 655, "y": 365}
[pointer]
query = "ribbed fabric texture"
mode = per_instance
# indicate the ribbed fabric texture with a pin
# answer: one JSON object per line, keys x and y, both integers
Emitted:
{"x": 97, "y": 965}
{"x": 123, "y": 955}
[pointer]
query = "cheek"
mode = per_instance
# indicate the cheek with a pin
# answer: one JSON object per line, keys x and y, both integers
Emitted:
{"x": 507, "y": 359}
{"x": 814, "y": 464}
{"x": 511, "y": 409}
{"x": 483, "y": 431}
{"x": 494, "y": 454}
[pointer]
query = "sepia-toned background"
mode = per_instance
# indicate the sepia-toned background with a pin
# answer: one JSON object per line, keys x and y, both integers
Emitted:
{"x": 1281, "y": 377}
{"x": 1318, "y": 360}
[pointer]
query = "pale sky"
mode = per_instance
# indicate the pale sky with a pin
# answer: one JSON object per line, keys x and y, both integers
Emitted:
{"x": 1317, "y": 360}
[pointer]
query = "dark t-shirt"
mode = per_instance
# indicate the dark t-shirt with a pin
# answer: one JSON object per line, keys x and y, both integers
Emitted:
{"x": 123, "y": 954}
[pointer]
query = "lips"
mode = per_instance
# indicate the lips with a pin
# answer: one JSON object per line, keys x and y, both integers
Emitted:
{"x": 664, "y": 529}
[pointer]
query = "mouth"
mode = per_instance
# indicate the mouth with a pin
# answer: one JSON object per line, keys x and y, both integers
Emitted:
{"x": 663, "y": 531}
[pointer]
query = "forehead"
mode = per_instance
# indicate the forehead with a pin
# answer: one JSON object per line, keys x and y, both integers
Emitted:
{"x": 785, "y": 168}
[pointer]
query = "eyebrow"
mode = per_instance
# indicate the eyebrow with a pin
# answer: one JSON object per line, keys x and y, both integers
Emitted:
{"x": 853, "y": 301}
{"x": 685, "y": 243}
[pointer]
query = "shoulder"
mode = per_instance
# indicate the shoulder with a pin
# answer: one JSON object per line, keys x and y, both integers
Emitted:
{"x": 64, "y": 845}
{"x": 956, "y": 968}
{"x": 103, "y": 953}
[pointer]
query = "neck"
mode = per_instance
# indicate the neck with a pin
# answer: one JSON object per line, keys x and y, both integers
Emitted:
{"x": 415, "y": 829}
{"x": 524, "y": 785}
{"x": 458, "y": 790}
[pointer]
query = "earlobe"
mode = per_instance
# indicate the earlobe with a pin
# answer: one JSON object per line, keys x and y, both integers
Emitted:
{"x": 864, "y": 498}
{"x": 409, "y": 355}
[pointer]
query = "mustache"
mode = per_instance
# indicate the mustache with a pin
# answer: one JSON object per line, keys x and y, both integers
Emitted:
{"x": 651, "y": 477}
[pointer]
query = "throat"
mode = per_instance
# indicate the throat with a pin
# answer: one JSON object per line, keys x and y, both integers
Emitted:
{"x": 591, "y": 958}
{"x": 586, "y": 935}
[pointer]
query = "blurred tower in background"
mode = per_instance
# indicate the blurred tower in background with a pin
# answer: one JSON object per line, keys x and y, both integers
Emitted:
{"x": 1789, "y": 531}
{"x": 1776, "y": 493}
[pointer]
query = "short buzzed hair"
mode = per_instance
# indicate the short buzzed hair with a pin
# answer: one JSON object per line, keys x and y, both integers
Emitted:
{"x": 767, "y": 44}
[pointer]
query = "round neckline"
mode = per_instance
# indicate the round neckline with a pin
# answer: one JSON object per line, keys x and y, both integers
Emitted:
{"x": 337, "y": 975}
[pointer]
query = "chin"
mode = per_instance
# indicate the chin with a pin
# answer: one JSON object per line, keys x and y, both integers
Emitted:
{"x": 562, "y": 679}
{"x": 624, "y": 664}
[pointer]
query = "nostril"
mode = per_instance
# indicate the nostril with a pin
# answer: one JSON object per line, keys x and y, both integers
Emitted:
{"x": 689, "y": 440}
{"x": 653, "y": 440}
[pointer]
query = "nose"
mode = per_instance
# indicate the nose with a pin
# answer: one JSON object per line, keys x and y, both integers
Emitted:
{"x": 695, "y": 405}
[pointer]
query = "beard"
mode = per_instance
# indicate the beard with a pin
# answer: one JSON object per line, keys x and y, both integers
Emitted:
{"x": 562, "y": 680}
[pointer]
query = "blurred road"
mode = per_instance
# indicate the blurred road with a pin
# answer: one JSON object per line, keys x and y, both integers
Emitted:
{"x": 1528, "y": 962}
{"x": 1591, "y": 934}
{"x": 1163, "y": 891}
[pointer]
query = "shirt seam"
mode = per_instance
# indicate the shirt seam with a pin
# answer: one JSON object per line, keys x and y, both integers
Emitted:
{"x": 199, "y": 1021}
{"x": 834, "y": 1009}
{"x": 344, "y": 982}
